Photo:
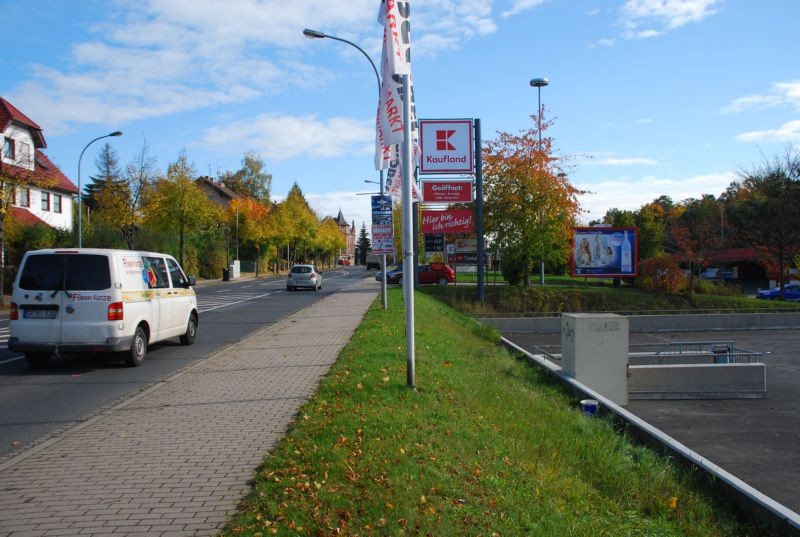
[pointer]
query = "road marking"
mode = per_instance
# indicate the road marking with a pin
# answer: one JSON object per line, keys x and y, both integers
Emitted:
{"x": 205, "y": 304}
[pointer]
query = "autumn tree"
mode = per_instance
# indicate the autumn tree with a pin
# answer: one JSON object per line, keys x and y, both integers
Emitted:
{"x": 255, "y": 225}
{"x": 764, "y": 209}
{"x": 530, "y": 207}
{"x": 296, "y": 224}
{"x": 120, "y": 200}
{"x": 179, "y": 206}
{"x": 695, "y": 233}
{"x": 329, "y": 240}
{"x": 251, "y": 180}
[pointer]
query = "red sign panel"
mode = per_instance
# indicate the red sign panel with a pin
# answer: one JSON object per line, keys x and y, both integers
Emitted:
{"x": 451, "y": 221}
{"x": 447, "y": 191}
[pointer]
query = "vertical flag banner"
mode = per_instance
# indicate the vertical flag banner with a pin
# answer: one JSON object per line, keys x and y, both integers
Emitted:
{"x": 394, "y": 15}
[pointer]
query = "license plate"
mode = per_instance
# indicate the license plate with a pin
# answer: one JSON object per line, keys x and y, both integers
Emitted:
{"x": 39, "y": 314}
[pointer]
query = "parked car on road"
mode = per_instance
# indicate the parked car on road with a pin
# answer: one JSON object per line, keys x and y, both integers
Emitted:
{"x": 343, "y": 261}
{"x": 790, "y": 292}
{"x": 304, "y": 276}
{"x": 437, "y": 273}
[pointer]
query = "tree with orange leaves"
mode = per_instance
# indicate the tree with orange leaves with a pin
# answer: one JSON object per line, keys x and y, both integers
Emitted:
{"x": 530, "y": 207}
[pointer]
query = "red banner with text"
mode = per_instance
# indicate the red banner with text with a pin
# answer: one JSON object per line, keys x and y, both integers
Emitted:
{"x": 451, "y": 221}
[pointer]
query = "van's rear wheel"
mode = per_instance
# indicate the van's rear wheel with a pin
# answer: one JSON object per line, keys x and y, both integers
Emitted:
{"x": 135, "y": 356}
{"x": 37, "y": 360}
{"x": 191, "y": 331}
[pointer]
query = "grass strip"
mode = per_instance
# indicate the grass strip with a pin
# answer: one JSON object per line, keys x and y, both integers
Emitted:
{"x": 486, "y": 446}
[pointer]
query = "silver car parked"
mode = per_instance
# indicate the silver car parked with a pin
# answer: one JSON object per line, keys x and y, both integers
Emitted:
{"x": 304, "y": 276}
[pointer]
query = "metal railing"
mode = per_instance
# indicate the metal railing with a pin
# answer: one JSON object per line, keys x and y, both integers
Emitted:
{"x": 721, "y": 352}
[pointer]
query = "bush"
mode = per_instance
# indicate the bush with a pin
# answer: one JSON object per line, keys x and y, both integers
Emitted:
{"x": 660, "y": 274}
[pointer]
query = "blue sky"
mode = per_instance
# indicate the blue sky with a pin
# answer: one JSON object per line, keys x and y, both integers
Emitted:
{"x": 649, "y": 97}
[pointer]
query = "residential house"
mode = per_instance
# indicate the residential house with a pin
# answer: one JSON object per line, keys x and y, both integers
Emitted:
{"x": 349, "y": 232}
{"x": 43, "y": 194}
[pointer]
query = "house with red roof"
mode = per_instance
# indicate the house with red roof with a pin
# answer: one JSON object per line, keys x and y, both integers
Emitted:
{"x": 42, "y": 193}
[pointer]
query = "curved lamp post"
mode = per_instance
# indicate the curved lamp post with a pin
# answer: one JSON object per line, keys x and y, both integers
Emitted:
{"x": 539, "y": 83}
{"x": 316, "y": 34}
{"x": 80, "y": 193}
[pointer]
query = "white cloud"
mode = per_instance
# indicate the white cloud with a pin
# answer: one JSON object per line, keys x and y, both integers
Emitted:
{"x": 626, "y": 193}
{"x": 520, "y": 6}
{"x": 781, "y": 94}
{"x": 605, "y": 42}
{"x": 649, "y": 18}
{"x": 355, "y": 208}
{"x": 788, "y": 133}
{"x": 154, "y": 58}
{"x": 280, "y": 137}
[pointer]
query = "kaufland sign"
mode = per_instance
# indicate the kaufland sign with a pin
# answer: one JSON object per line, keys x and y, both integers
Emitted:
{"x": 446, "y": 146}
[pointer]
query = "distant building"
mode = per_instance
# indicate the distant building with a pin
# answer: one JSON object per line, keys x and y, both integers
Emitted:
{"x": 349, "y": 232}
{"x": 217, "y": 191}
{"x": 44, "y": 194}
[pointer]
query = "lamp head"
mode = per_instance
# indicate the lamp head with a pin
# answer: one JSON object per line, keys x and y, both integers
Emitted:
{"x": 539, "y": 82}
{"x": 116, "y": 133}
{"x": 313, "y": 34}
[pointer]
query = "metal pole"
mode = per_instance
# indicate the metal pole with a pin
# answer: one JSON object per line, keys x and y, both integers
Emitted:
{"x": 384, "y": 297}
{"x": 541, "y": 261}
{"x": 408, "y": 239}
{"x": 479, "y": 209}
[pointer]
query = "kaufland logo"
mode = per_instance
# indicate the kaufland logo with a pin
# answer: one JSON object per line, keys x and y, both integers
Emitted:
{"x": 443, "y": 140}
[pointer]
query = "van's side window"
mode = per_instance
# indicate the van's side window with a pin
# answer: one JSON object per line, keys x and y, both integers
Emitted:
{"x": 178, "y": 278}
{"x": 156, "y": 272}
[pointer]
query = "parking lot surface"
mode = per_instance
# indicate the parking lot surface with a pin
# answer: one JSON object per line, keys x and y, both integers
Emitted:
{"x": 757, "y": 440}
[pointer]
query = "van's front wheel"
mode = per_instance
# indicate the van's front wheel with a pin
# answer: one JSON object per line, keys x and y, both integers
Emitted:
{"x": 37, "y": 360}
{"x": 191, "y": 331}
{"x": 135, "y": 356}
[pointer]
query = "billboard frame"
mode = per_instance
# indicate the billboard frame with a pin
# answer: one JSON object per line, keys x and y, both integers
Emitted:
{"x": 584, "y": 261}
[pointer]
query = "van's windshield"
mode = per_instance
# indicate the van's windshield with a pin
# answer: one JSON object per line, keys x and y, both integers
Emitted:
{"x": 74, "y": 272}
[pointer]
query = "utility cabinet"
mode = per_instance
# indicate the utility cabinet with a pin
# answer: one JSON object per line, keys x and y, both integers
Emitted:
{"x": 594, "y": 351}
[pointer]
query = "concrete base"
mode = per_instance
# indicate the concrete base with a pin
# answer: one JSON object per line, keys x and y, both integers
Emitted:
{"x": 697, "y": 381}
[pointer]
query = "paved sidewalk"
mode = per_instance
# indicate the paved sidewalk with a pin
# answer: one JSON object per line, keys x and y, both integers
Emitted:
{"x": 176, "y": 458}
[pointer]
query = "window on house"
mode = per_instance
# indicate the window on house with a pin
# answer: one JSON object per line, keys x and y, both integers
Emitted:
{"x": 24, "y": 197}
{"x": 9, "y": 149}
{"x": 56, "y": 203}
{"x": 45, "y": 201}
{"x": 24, "y": 153}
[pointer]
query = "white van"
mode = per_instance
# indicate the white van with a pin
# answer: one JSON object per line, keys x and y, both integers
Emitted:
{"x": 86, "y": 300}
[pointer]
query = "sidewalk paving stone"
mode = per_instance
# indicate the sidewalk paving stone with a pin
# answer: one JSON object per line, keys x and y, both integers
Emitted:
{"x": 177, "y": 458}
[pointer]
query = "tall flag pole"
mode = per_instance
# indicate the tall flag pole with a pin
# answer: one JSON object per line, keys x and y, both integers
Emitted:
{"x": 396, "y": 135}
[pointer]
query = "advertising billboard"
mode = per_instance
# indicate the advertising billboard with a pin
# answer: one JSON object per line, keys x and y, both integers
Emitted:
{"x": 382, "y": 229}
{"x": 605, "y": 252}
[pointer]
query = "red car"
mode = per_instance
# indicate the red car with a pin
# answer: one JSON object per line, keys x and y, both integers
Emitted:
{"x": 437, "y": 273}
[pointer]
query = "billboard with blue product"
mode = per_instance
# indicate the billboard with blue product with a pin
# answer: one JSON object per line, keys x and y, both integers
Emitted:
{"x": 605, "y": 252}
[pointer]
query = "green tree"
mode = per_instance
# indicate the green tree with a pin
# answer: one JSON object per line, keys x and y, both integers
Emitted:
{"x": 363, "y": 243}
{"x": 108, "y": 171}
{"x": 178, "y": 206}
{"x": 251, "y": 180}
{"x": 296, "y": 224}
{"x": 764, "y": 209}
{"x": 530, "y": 207}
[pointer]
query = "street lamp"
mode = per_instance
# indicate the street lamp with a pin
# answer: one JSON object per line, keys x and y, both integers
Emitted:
{"x": 80, "y": 193}
{"x": 316, "y": 34}
{"x": 539, "y": 83}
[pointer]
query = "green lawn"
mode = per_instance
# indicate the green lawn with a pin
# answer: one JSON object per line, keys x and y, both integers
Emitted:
{"x": 486, "y": 446}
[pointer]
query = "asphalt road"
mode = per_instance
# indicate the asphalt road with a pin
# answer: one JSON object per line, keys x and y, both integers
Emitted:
{"x": 757, "y": 440}
{"x": 35, "y": 404}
